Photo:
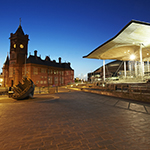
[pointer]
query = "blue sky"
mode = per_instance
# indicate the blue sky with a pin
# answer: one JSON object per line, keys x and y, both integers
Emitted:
{"x": 69, "y": 29}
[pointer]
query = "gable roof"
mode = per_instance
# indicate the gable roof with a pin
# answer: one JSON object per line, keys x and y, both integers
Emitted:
{"x": 37, "y": 60}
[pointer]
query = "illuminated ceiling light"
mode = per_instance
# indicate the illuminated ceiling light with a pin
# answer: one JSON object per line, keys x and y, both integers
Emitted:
{"x": 124, "y": 52}
{"x": 147, "y": 53}
{"x": 132, "y": 57}
{"x": 128, "y": 50}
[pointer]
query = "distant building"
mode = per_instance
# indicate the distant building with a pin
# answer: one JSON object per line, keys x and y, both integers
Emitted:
{"x": 45, "y": 72}
{"x": 112, "y": 69}
{"x": 1, "y": 79}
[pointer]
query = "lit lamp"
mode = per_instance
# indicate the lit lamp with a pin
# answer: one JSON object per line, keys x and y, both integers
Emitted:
{"x": 132, "y": 57}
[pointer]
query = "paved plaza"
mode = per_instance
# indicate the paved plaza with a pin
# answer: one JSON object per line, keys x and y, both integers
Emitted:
{"x": 74, "y": 120}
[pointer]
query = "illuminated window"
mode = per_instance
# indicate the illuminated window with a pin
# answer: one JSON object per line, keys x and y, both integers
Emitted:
{"x": 56, "y": 80}
{"x": 45, "y": 82}
{"x": 50, "y": 80}
{"x": 14, "y": 45}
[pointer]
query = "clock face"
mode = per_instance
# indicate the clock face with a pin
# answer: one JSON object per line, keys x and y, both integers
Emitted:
{"x": 21, "y": 46}
{"x": 14, "y": 45}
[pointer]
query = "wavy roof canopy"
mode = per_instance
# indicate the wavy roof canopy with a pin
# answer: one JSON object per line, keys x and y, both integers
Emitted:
{"x": 125, "y": 43}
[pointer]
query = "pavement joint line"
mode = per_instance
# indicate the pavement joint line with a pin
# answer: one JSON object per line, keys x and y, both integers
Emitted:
{"x": 145, "y": 108}
{"x": 116, "y": 102}
{"x": 105, "y": 102}
{"x": 132, "y": 109}
{"x": 129, "y": 106}
{"x": 139, "y": 111}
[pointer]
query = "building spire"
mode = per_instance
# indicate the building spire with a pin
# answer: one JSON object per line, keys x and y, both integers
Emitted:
{"x": 20, "y": 22}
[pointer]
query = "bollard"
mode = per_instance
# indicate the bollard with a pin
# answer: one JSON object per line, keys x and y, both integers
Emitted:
{"x": 56, "y": 89}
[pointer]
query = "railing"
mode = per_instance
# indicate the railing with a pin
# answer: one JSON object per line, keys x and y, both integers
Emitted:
{"x": 130, "y": 88}
{"x": 45, "y": 90}
{"x": 3, "y": 90}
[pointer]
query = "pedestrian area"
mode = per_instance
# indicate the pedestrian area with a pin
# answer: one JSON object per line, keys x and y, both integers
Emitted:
{"x": 74, "y": 120}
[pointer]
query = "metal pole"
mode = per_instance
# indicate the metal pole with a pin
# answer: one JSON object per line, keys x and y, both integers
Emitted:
{"x": 103, "y": 69}
{"x": 135, "y": 68}
{"x": 141, "y": 61}
{"x": 125, "y": 74}
{"x": 143, "y": 68}
{"x": 130, "y": 68}
{"x": 148, "y": 66}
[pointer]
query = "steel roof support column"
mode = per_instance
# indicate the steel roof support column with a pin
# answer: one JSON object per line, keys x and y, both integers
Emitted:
{"x": 103, "y": 69}
{"x": 141, "y": 61}
{"x": 125, "y": 73}
{"x": 130, "y": 68}
{"x": 148, "y": 66}
{"x": 135, "y": 68}
{"x": 143, "y": 68}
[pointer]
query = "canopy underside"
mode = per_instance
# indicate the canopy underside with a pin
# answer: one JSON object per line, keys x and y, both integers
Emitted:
{"x": 126, "y": 43}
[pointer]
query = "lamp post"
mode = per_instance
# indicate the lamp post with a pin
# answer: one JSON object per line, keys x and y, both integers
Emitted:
{"x": 135, "y": 68}
{"x": 125, "y": 69}
{"x": 104, "y": 69}
{"x": 141, "y": 61}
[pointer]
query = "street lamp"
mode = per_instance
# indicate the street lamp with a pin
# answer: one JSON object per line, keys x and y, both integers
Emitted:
{"x": 132, "y": 57}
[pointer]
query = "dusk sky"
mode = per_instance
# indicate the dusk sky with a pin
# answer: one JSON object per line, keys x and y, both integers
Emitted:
{"x": 69, "y": 29}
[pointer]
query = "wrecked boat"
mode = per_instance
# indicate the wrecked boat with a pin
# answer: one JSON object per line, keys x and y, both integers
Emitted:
{"x": 22, "y": 90}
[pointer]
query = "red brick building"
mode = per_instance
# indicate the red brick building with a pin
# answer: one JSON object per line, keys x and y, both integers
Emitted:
{"x": 42, "y": 72}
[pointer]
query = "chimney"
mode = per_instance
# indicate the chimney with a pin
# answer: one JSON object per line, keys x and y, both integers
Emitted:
{"x": 47, "y": 58}
{"x": 59, "y": 60}
{"x": 35, "y": 53}
{"x": 69, "y": 64}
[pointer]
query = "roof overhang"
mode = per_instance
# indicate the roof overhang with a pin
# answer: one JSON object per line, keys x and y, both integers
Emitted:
{"x": 126, "y": 43}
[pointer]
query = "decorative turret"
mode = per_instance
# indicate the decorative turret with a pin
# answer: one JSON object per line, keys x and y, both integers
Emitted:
{"x": 6, "y": 63}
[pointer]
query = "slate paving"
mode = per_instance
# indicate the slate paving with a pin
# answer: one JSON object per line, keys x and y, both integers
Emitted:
{"x": 74, "y": 120}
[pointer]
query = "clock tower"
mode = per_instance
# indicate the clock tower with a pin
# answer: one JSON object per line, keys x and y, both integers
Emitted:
{"x": 18, "y": 55}
{"x": 18, "y": 46}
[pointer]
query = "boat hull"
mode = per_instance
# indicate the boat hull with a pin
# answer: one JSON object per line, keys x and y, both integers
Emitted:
{"x": 24, "y": 91}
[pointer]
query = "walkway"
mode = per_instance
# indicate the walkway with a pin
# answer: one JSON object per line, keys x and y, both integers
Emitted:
{"x": 74, "y": 120}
